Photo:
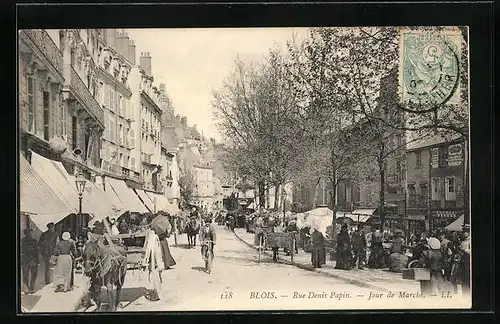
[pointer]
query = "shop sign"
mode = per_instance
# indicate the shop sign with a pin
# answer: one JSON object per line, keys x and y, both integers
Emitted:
{"x": 455, "y": 155}
{"x": 434, "y": 157}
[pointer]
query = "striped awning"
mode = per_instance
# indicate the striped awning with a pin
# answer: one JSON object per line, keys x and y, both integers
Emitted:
{"x": 160, "y": 202}
{"x": 446, "y": 213}
{"x": 146, "y": 200}
{"x": 126, "y": 195}
{"x": 38, "y": 199}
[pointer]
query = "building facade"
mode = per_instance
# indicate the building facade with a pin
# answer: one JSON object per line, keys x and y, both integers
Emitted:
{"x": 146, "y": 124}
{"x": 116, "y": 57}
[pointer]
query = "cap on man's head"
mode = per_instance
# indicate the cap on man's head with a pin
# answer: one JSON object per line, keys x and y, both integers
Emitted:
{"x": 466, "y": 228}
{"x": 51, "y": 224}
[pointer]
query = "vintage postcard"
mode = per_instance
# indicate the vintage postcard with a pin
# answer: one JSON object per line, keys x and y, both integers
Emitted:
{"x": 228, "y": 169}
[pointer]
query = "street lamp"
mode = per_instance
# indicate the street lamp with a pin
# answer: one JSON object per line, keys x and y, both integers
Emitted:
{"x": 80, "y": 188}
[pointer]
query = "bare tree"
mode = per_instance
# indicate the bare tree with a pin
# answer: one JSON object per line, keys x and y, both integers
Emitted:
{"x": 187, "y": 185}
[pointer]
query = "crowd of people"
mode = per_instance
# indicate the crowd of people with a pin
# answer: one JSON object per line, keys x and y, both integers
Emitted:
{"x": 58, "y": 253}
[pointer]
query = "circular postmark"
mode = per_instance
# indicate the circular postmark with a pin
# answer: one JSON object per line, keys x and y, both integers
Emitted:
{"x": 430, "y": 69}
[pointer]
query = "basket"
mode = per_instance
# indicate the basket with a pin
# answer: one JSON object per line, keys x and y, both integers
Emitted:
{"x": 421, "y": 274}
{"x": 397, "y": 262}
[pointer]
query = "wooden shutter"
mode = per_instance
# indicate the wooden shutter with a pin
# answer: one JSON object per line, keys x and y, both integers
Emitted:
{"x": 132, "y": 138}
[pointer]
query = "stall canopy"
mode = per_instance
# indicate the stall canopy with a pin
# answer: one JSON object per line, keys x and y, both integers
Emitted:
{"x": 146, "y": 200}
{"x": 456, "y": 226}
{"x": 320, "y": 218}
{"x": 38, "y": 199}
{"x": 126, "y": 195}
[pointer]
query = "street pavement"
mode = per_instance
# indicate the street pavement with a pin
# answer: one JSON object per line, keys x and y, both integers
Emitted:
{"x": 380, "y": 279}
{"x": 240, "y": 282}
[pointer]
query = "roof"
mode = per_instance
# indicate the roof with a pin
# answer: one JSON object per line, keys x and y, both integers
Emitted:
{"x": 431, "y": 141}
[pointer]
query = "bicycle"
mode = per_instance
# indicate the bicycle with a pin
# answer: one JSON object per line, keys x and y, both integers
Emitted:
{"x": 208, "y": 255}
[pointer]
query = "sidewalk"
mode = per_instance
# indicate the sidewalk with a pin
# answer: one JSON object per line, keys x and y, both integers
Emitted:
{"x": 378, "y": 279}
{"x": 45, "y": 300}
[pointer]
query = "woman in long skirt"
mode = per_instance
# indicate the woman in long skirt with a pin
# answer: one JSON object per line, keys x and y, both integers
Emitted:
{"x": 344, "y": 254}
{"x": 65, "y": 251}
{"x": 318, "y": 249}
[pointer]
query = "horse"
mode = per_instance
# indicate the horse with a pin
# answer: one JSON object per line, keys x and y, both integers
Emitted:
{"x": 106, "y": 266}
{"x": 192, "y": 228}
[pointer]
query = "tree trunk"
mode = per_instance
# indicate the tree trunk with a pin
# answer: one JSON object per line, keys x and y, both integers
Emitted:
{"x": 276, "y": 195}
{"x": 466, "y": 182}
{"x": 267, "y": 195}
{"x": 382, "y": 166}
{"x": 316, "y": 193}
{"x": 262, "y": 193}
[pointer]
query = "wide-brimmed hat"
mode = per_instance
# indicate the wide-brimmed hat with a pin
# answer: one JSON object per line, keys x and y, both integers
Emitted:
{"x": 434, "y": 243}
{"x": 66, "y": 236}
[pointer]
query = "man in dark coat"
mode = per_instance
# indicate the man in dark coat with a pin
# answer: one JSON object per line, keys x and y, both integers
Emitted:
{"x": 207, "y": 233}
{"x": 47, "y": 244}
{"x": 29, "y": 260}
{"x": 359, "y": 246}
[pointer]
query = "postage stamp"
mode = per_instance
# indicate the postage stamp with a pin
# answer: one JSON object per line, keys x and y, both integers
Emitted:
{"x": 430, "y": 66}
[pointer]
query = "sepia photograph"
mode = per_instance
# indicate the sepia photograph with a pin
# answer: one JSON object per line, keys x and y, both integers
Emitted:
{"x": 244, "y": 169}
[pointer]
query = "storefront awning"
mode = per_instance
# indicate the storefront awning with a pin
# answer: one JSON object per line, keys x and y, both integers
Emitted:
{"x": 359, "y": 218}
{"x": 126, "y": 195}
{"x": 364, "y": 211}
{"x": 146, "y": 200}
{"x": 38, "y": 199}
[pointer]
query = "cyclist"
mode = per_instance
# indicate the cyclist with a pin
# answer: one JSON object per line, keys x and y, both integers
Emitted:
{"x": 207, "y": 233}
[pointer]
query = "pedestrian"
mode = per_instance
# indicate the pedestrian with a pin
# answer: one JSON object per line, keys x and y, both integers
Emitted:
{"x": 318, "y": 253}
{"x": 161, "y": 225}
{"x": 465, "y": 248}
{"x": 344, "y": 252}
{"x": 447, "y": 252}
{"x": 433, "y": 260}
{"x": 359, "y": 247}
{"x": 47, "y": 244}
{"x": 377, "y": 257}
{"x": 65, "y": 251}
{"x": 29, "y": 260}
{"x": 292, "y": 228}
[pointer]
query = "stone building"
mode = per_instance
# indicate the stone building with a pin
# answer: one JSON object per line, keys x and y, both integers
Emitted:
{"x": 146, "y": 123}
{"x": 115, "y": 59}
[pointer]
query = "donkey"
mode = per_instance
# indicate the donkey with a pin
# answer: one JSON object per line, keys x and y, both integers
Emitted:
{"x": 106, "y": 266}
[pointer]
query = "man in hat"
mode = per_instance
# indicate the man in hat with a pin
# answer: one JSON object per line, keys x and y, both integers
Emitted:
{"x": 465, "y": 247}
{"x": 47, "y": 244}
{"x": 447, "y": 251}
{"x": 359, "y": 247}
{"x": 29, "y": 260}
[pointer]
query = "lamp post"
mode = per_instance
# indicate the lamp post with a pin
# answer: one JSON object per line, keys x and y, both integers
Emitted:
{"x": 80, "y": 188}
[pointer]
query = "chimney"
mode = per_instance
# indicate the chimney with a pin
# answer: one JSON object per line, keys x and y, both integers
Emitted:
{"x": 126, "y": 41}
{"x": 162, "y": 87}
{"x": 145, "y": 62}
{"x": 119, "y": 43}
{"x": 111, "y": 38}
{"x": 131, "y": 52}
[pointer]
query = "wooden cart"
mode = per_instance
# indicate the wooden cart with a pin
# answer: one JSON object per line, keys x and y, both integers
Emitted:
{"x": 265, "y": 239}
{"x": 135, "y": 248}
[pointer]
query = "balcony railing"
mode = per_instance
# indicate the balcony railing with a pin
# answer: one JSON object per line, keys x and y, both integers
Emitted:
{"x": 47, "y": 46}
{"x": 82, "y": 92}
{"x": 417, "y": 201}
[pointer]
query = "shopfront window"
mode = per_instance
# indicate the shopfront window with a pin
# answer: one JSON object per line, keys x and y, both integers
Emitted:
{"x": 46, "y": 114}
{"x": 31, "y": 104}
{"x": 450, "y": 189}
{"x": 436, "y": 188}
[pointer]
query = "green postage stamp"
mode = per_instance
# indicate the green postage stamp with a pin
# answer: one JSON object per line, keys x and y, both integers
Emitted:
{"x": 429, "y": 67}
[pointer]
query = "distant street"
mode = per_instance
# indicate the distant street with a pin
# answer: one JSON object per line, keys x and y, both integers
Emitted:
{"x": 236, "y": 271}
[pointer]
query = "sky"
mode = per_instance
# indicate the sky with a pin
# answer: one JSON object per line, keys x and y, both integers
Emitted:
{"x": 194, "y": 62}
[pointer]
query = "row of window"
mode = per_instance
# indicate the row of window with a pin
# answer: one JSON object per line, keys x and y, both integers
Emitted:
{"x": 442, "y": 157}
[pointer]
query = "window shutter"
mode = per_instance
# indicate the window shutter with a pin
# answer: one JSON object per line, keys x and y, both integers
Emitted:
{"x": 132, "y": 138}
{"x": 132, "y": 163}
